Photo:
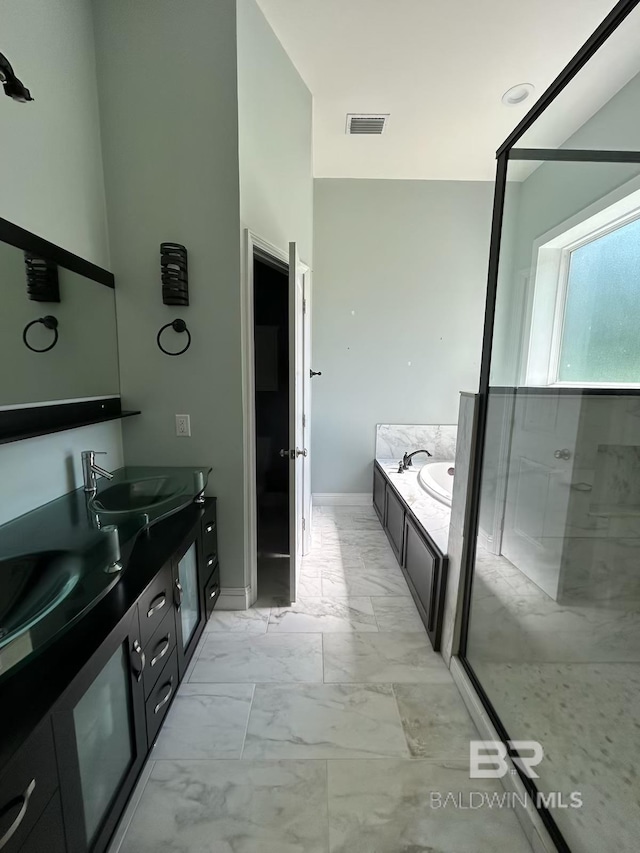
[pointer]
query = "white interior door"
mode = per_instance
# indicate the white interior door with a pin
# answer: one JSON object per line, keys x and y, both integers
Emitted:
{"x": 307, "y": 517}
{"x": 297, "y": 450}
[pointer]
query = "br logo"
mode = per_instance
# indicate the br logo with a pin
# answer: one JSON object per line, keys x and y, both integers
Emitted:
{"x": 488, "y": 758}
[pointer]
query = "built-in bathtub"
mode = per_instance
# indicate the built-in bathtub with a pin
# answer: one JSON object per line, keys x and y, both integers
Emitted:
{"x": 436, "y": 478}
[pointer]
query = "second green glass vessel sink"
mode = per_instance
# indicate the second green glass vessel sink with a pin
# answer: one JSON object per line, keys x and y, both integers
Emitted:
{"x": 136, "y": 495}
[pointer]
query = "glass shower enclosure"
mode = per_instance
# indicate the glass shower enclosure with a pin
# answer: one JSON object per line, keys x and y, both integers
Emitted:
{"x": 551, "y": 622}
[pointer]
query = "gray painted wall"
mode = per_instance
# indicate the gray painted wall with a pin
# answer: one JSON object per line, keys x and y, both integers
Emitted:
{"x": 52, "y": 184}
{"x": 51, "y": 165}
{"x": 399, "y": 286}
{"x": 274, "y": 119}
{"x": 171, "y": 166}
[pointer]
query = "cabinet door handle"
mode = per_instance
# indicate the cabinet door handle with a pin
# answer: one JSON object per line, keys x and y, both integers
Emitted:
{"x": 137, "y": 648}
{"x": 214, "y": 592}
{"x": 210, "y": 561}
{"x": 164, "y": 701}
{"x": 157, "y": 604}
{"x": 179, "y": 595}
{"x": 209, "y": 528}
{"x": 23, "y": 802}
{"x": 167, "y": 642}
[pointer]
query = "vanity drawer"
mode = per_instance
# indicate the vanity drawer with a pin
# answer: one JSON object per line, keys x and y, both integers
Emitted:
{"x": 154, "y": 603}
{"x": 48, "y": 833}
{"x": 210, "y": 534}
{"x": 158, "y": 650}
{"x": 160, "y": 697}
{"x": 212, "y": 591}
{"x": 27, "y": 784}
{"x": 210, "y": 561}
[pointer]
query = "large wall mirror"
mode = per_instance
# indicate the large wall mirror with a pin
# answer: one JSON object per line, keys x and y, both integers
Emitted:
{"x": 62, "y": 372}
{"x": 84, "y": 361}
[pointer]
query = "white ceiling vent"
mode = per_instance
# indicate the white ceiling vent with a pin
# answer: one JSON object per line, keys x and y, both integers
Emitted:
{"x": 366, "y": 123}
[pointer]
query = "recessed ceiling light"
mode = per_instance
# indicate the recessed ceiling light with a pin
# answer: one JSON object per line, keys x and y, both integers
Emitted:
{"x": 518, "y": 94}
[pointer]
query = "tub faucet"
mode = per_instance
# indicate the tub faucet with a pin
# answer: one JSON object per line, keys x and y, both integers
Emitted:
{"x": 91, "y": 471}
{"x": 406, "y": 460}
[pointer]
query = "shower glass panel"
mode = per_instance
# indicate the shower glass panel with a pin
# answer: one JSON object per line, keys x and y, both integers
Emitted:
{"x": 553, "y": 620}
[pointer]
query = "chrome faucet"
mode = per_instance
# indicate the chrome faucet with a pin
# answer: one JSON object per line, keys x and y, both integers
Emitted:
{"x": 91, "y": 471}
{"x": 406, "y": 460}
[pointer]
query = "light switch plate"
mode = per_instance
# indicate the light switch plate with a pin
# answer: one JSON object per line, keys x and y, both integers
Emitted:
{"x": 183, "y": 426}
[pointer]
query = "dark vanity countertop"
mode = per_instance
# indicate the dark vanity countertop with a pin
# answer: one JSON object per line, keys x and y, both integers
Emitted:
{"x": 30, "y": 691}
{"x": 67, "y": 545}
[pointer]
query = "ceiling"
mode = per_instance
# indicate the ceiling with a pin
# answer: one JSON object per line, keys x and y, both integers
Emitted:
{"x": 440, "y": 67}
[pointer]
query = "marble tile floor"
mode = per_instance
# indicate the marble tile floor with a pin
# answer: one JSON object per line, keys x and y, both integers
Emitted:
{"x": 319, "y": 727}
{"x": 587, "y": 719}
{"x": 568, "y": 676}
{"x": 513, "y": 620}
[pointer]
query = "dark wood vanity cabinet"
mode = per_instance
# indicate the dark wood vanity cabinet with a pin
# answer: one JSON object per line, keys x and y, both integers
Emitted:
{"x": 48, "y": 833}
{"x": 379, "y": 488}
{"x": 101, "y": 737}
{"x": 155, "y": 602}
{"x": 188, "y": 583}
{"x": 65, "y": 788}
{"x": 394, "y": 521}
{"x": 29, "y": 804}
{"x": 424, "y": 567}
{"x": 390, "y": 510}
{"x": 211, "y": 568}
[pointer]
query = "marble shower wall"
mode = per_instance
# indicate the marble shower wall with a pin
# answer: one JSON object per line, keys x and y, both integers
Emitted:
{"x": 453, "y": 598}
{"x": 394, "y": 440}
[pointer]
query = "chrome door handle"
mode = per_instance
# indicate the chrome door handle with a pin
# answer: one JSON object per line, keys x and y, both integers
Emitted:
{"x": 137, "y": 648}
{"x": 23, "y": 799}
{"x": 563, "y": 454}
{"x": 313, "y": 373}
{"x": 290, "y": 453}
{"x": 214, "y": 592}
{"x": 164, "y": 701}
{"x": 303, "y": 452}
{"x": 179, "y": 595}
{"x": 167, "y": 643}
{"x": 161, "y": 599}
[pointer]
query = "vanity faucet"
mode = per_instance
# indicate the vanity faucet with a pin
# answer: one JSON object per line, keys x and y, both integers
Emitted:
{"x": 406, "y": 460}
{"x": 91, "y": 471}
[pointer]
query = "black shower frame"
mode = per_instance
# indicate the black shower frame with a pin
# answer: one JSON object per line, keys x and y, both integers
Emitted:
{"x": 504, "y": 155}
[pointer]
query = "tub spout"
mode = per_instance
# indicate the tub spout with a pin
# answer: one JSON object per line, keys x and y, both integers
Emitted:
{"x": 406, "y": 459}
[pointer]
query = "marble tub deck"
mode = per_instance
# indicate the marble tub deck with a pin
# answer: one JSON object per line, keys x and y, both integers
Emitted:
{"x": 323, "y": 727}
{"x": 433, "y": 515}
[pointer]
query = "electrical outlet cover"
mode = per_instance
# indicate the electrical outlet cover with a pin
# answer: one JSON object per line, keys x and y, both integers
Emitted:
{"x": 183, "y": 426}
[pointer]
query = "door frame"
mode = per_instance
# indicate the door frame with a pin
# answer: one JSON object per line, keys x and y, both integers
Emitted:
{"x": 251, "y": 242}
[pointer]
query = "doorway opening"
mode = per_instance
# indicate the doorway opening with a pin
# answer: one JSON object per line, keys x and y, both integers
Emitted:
{"x": 271, "y": 402}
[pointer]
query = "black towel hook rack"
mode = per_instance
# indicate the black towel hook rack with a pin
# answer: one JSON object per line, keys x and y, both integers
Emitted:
{"x": 177, "y": 326}
{"x": 48, "y": 322}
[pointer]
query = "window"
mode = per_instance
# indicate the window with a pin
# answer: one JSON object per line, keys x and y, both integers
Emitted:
{"x": 600, "y": 339}
{"x": 585, "y": 314}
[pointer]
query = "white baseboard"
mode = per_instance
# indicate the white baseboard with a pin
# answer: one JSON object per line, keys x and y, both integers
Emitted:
{"x": 342, "y": 499}
{"x": 528, "y": 816}
{"x": 234, "y": 598}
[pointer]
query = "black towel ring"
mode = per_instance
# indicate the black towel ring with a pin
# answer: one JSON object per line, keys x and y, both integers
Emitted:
{"x": 177, "y": 326}
{"x": 48, "y": 322}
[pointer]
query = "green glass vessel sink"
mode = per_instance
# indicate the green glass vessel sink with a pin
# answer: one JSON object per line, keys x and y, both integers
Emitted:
{"x": 33, "y": 586}
{"x": 134, "y": 496}
{"x": 58, "y": 561}
{"x": 147, "y": 493}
